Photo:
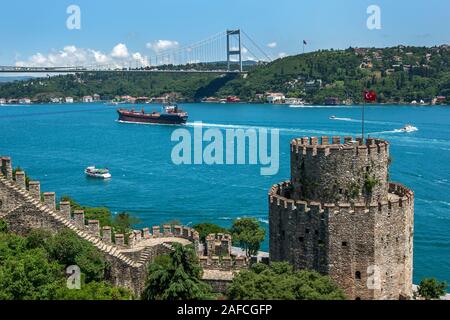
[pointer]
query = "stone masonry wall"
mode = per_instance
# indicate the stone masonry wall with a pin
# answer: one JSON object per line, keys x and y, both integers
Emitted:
{"x": 363, "y": 241}
{"x": 22, "y": 208}
{"x": 337, "y": 172}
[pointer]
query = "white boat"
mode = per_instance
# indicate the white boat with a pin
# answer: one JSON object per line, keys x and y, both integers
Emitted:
{"x": 408, "y": 128}
{"x": 92, "y": 171}
{"x": 332, "y": 117}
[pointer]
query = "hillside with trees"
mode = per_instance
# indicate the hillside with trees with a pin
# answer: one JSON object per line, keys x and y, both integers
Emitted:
{"x": 399, "y": 75}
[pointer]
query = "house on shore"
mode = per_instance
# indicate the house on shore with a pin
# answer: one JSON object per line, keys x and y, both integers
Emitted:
{"x": 275, "y": 97}
{"x": 69, "y": 100}
{"x": 25, "y": 101}
{"x": 88, "y": 99}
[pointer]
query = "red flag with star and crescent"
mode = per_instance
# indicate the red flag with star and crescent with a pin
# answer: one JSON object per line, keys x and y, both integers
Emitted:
{"x": 370, "y": 96}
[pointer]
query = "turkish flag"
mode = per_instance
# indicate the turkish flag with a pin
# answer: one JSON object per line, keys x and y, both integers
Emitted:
{"x": 370, "y": 95}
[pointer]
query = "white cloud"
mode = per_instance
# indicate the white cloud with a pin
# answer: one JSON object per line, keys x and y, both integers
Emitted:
{"x": 162, "y": 45}
{"x": 282, "y": 54}
{"x": 142, "y": 60}
{"x": 120, "y": 51}
{"x": 73, "y": 56}
{"x": 272, "y": 45}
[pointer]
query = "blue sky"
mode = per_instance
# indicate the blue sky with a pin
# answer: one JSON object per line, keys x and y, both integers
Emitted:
{"x": 29, "y": 27}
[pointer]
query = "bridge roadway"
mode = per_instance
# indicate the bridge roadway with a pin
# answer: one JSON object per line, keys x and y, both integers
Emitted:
{"x": 4, "y": 69}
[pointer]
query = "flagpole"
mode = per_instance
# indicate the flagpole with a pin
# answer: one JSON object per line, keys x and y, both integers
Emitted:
{"x": 362, "y": 122}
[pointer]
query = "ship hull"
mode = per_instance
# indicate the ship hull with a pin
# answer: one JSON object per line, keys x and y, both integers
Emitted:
{"x": 153, "y": 119}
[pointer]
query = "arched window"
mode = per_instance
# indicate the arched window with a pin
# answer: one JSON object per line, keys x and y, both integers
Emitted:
{"x": 358, "y": 275}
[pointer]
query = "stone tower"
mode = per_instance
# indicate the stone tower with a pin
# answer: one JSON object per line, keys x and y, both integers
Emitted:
{"x": 340, "y": 215}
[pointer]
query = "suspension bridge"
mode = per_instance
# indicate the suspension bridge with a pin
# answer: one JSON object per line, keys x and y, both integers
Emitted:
{"x": 225, "y": 52}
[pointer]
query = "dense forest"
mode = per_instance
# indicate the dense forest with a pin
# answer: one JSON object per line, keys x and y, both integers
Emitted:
{"x": 399, "y": 75}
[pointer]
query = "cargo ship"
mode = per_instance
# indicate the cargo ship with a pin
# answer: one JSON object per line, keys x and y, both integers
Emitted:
{"x": 171, "y": 114}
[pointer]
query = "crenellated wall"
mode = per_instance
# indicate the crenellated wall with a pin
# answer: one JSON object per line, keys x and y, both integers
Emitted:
{"x": 24, "y": 209}
{"x": 334, "y": 171}
{"x": 354, "y": 239}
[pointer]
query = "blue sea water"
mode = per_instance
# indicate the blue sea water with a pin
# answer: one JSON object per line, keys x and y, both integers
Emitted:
{"x": 54, "y": 143}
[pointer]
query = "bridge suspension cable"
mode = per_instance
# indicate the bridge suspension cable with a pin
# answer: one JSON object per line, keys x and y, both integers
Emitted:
{"x": 216, "y": 53}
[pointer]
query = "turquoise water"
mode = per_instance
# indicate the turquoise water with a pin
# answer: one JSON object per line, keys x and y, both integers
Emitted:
{"x": 54, "y": 143}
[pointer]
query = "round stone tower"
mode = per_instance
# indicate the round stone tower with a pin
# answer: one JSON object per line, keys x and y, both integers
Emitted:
{"x": 339, "y": 215}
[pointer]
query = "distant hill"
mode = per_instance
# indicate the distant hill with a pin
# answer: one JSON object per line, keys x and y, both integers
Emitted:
{"x": 399, "y": 74}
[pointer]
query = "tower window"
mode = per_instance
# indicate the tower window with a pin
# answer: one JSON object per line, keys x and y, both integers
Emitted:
{"x": 300, "y": 239}
{"x": 344, "y": 243}
{"x": 358, "y": 275}
{"x": 306, "y": 230}
{"x": 316, "y": 232}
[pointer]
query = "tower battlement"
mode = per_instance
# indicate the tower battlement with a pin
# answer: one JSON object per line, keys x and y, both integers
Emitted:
{"x": 346, "y": 170}
{"x": 339, "y": 215}
{"x": 310, "y": 146}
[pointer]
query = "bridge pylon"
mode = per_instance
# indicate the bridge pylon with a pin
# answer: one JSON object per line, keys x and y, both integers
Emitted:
{"x": 232, "y": 51}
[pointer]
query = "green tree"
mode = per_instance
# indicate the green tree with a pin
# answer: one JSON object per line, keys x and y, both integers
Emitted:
{"x": 279, "y": 281}
{"x": 32, "y": 268}
{"x": 176, "y": 276}
{"x": 94, "y": 291}
{"x": 3, "y": 226}
{"x": 207, "y": 228}
{"x": 123, "y": 222}
{"x": 66, "y": 248}
{"x": 29, "y": 275}
{"x": 430, "y": 288}
{"x": 248, "y": 234}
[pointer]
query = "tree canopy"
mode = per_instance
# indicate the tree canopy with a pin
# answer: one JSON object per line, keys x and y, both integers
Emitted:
{"x": 248, "y": 234}
{"x": 279, "y": 281}
{"x": 33, "y": 267}
{"x": 206, "y": 228}
{"x": 430, "y": 288}
{"x": 176, "y": 276}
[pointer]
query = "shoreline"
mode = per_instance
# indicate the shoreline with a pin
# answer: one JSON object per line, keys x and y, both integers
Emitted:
{"x": 308, "y": 105}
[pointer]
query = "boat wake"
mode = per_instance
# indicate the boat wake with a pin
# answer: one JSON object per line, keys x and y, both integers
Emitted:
{"x": 365, "y": 121}
{"x": 401, "y": 130}
{"x": 246, "y": 127}
{"x": 345, "y": 119}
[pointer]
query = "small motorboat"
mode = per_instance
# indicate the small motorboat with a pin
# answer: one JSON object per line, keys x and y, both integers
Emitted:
{"x": 408, "y": 128}
{"x": 332, "y": 117}
{"x": 97, "y": 173}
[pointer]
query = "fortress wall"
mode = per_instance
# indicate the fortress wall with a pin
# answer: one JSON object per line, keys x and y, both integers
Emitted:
{"x": 351, "y": 248}
{"x": 360, "y": 242}
{"x": 298, "y": 233}
{"x": 24, "y": 211}
{"x": 394, "y": 243}
{"x": 337, "y": 172}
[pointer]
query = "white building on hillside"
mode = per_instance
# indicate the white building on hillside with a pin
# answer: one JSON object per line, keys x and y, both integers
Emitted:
{"x": 69, "y": 100}
{"x": 275, "y": 97}
{"x": 24, "y": 101}
{"x": 88, "y": 99}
